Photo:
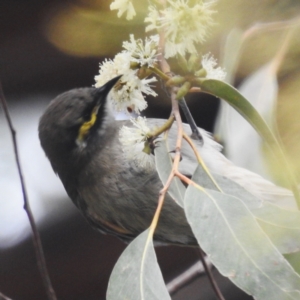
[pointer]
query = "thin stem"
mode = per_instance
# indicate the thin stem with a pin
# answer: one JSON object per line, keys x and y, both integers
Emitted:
{"x": 161, "y": 199}
{"x": 161, "y": 74}
{"x": 190, "y": 120}
{"x": 186, "y": 277}
{"x": 36, "y": 237}
{"x": 162, "y": 193}
{"x": 163, "y": 128}
{"x": 211, "y": 277}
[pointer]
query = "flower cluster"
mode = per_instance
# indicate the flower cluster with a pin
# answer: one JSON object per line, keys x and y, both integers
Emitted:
{"x": 133, "y": 141}
{"x": 185, "y": 25}
{"x": 128, "y": 93}
{"x": 143, "y": 53}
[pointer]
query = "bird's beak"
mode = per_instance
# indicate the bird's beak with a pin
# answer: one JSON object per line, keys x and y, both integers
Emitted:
{"x": 102, "y": 92}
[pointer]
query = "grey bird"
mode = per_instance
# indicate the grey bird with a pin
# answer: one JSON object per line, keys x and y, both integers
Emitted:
{"x": 81, "y": 139}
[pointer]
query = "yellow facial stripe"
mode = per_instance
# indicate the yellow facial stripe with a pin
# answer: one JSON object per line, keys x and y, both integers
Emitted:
{"x": 86, "y": 126}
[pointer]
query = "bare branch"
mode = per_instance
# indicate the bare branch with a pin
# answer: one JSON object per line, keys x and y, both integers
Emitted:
{"x": 197, "y": 269}
{"x": 210, "y": 276}
{"x": 36, "y": 237}
{"x": 3, "y": 297}
{"x": 186, "y": 277}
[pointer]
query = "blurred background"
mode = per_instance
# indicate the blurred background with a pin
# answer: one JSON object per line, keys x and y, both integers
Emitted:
{"x": 48, "y": 47}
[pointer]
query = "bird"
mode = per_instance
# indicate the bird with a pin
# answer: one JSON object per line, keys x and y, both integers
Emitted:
{"x": 80, "y": 137}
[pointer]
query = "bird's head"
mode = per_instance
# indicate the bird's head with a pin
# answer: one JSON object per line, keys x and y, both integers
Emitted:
{"x": 72, "y": 120}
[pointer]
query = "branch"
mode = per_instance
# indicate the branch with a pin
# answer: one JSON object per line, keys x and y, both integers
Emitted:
{"x": 3, "y": 297}
{"x": 210, "y": 276}
{"x": 186, "y": 277}
{"x": 197, "y": 269}
{"x": 164, "y": 66}
{"x": 36, "y": 237}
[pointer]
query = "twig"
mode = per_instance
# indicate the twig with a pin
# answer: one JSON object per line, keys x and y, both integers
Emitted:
{"x": 210, "y": 276}
{"x": 186, "y": 277}
{"x": 3, "y": 297}
{"x": 180, "y": 134}
{"x": 162, "y": 193}
{"x": 36, "y": 237}
{"x": 192, "y": 273}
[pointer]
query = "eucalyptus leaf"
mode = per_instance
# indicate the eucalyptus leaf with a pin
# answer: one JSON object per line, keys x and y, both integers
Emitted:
{"x": 164, "y": 163}
{"x": 281, "y": 225}
{"x": 294, "y": 260}
{"x": 261, "y": 89}
{"x": 238, "y": 247}
{"x": 136, "y": 274}
{"x": 232, "y": 188}
{"x": 287, "y": 240}
{"x": 246, "y": 109}
{"x": 227, "y": 186}
{"x": 241, "y": 104}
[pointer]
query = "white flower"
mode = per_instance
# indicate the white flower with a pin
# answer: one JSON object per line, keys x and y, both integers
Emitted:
{"x": 128, "y": 93}
{"x": 133, "y": 141}
{"x": 184, "y": 25}
{"x": 123, "y": 6}
{"x": 141, "y": 52}
{"x": 112, "y": 68}
{"x": 209, "y": 63}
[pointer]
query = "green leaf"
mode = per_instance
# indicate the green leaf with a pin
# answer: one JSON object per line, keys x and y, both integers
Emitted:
{"x": 260, "y": 88}
{"x": 136, "y": 274}
{"x": 227, "y": 186}
{"x": 281, "y": 225}
{"x": 294, "y": 260}
{"x": 246, "y": 109}
{"x": 229, "y": 234}
{"x": 164, "y": 163}
{"x": 241, "y": 104}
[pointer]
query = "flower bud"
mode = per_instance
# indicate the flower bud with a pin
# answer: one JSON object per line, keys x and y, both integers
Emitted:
{"x": 176, "y": 80}
{"x": 183, "y": 90}
{"x": 182, "y": 63}
{"x": 201, "y": 73}
{"x": 193, "y": 62}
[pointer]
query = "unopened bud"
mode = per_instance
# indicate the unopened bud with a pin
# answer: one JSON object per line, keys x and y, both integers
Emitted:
{"x": 198, "y": 81}
{"x": 193, "y": 62}
{"x": 182, "y": 63}
{"x": 176, "y": 80}
{"x": 183, "y": 90}
{"x": 201, "y": 73}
